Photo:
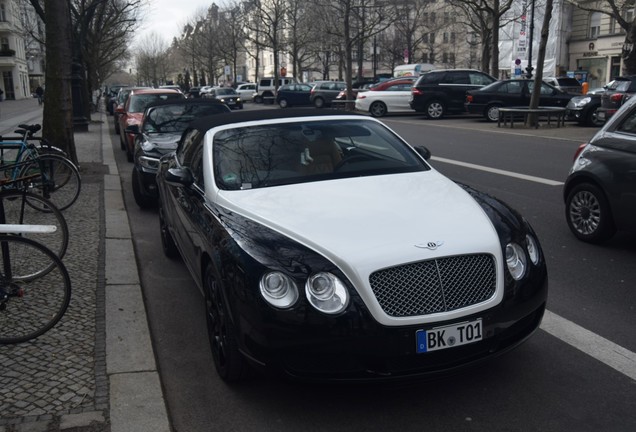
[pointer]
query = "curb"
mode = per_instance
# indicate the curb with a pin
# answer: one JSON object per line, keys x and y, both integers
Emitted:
{"x": 136, "y": 396}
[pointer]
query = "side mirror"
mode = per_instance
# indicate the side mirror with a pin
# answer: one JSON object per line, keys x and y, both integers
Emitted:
{"x": 179, "y": 176}
{"x": 132, "y": 129}
{"x": 423, "y": 151}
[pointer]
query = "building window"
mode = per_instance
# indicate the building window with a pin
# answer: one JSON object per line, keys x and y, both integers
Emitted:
{"x": 431, "y": 37}
{"x": 595, "y": 25}
{"x": 4, "y": 44}
{"x": 445, "y": 57}
{"x": 425, "y": 18}
{"x": 425, "y": 58}
{"x": 3, "y": 12}
{"x": 445, "y": 37}
{"x": 432, "y": 17}
{"x": 431, "y": 58}
{"x": 425, "y": 38}
{"x": 446, "y": 17}
{"x": 453, "y": 37}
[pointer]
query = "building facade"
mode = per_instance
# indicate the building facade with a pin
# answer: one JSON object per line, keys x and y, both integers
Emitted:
{"x": 13, "y": 53}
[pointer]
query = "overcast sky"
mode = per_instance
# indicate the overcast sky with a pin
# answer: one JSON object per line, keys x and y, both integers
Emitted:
{"x": 167, "y": 17}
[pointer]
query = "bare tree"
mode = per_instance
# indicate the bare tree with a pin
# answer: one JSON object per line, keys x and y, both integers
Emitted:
{"x": 354, "y": 22}
{"x": 617, "y": 9}
{"x": 231, "y": 33}
{"x": 150, "y": 59}
{"x": 268, "y": 22}
{"x": 484, "y": 16}
{"x": 57, "y": 118}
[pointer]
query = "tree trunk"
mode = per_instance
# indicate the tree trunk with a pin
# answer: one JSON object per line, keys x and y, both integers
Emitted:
{"x": 58, "y": 107}
{"x": 538, "y": 76}
{"x": 495, "y": 40}
{"x": 629, "y": 53}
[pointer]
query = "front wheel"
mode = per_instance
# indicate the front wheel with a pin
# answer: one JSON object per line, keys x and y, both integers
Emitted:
{"x": 588, "y": 214}
{"x": 378, "y": 109}
{"x": 35, "y": 289}
{"x": 435, "y": 110}
{"x": 283, "y": 103}
{"x": 228, "y": 360}
{"x": 141, "y": 198}
{"x": 60, "y": 179}
{"x": 592, "y": 118}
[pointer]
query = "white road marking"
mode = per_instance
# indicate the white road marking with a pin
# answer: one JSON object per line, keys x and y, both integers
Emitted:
{"x": 499, "y": 171}
{"x": 603, "y": 350}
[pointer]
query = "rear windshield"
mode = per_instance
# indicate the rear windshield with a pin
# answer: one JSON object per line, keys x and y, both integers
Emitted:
{"x": 619, "y": 85}
{"x": 568, "y": 82}
{"x": 141, "y": 101}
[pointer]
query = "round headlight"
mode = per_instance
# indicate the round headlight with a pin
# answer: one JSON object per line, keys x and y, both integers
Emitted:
{"x": 516, "y": 260}
{"x": 326, "y": 293}
{"x": 278, "y": 289}
{"x": 533, "y": 249}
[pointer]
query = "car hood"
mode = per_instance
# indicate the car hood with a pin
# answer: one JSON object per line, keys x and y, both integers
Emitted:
{"x": 366, "y": 223}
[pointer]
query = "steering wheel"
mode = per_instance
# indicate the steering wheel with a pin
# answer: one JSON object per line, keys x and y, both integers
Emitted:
{"x": 348, "y": 160}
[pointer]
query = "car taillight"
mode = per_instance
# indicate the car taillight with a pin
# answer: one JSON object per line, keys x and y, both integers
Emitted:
{"x": 469, "y": 98}
{"x": 579, "y": 150}
{"x": 416, "y": 92}
{"x": 616, "y": 97}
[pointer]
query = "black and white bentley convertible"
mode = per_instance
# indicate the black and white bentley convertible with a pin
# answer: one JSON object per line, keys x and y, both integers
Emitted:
{"x": 326, "y": 247}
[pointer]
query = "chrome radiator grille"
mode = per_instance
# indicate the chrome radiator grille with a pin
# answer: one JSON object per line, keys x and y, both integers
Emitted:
{"x": 439, "y": 285}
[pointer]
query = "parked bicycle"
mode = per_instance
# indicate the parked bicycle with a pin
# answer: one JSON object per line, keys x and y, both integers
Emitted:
{"x": 35, "y": 287}
{"x": 19, "y": 207}
{"x": 59, "y": 178}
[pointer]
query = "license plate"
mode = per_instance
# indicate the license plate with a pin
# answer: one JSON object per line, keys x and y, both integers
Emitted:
{"x": 448, "y": 336}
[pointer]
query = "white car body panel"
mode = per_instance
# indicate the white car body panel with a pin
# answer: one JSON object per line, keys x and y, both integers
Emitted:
{"x": 395, "y": 101}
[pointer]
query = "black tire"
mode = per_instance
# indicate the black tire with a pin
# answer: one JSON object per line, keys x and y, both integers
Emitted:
{"x": 378, "y": 109}
{"x": 319, "y": 102}
{"x": 592, "y": 118}
{"x": 122, "y": 144}
{"x": 61, "y": 176}
{"x": 435, "y": 110}
{"x": 35, "y": 289}
{"x": 168, "y": 245}
{"x": 26, "y": 208}
{"x": 491, "y": 113}
{"x": 588, "y": 214}
{"x": 283, "y": 103}
{"x": 228, "y": 360}
{"x": 143, "y": 201}
{"x": 258, "y": 99}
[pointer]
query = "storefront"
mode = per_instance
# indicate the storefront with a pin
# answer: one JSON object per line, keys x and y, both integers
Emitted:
{"x": 601, "y": 59}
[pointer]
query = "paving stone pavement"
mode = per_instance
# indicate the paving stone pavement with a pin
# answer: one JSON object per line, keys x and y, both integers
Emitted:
{"x": 58, "y": 381}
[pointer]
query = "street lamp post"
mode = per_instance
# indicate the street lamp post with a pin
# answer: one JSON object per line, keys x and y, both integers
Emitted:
{"x": 529, "y": 69}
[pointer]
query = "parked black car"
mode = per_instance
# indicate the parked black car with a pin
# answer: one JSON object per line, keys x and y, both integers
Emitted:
{"x": 584, "y": 109}
{"x": 227, "y": 95}
{"x": 512, "y": 93}
{"x": 600, "y": 189}
{"x": 194, "y": 92}
{"x": 293, "y": 95}
{"x": 110, "y": 97}
{"x": 617, "y": 92}
{"x": 324, "y": 92}
{"x": 159, "y": 132}
{"x": 443, "y": 91}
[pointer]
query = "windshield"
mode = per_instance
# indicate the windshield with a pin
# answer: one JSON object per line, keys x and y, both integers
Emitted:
{"x": 139, "y": 102}
{"x": 225, "y": 92}
{"x": 270, "y": 155}
{"x": 175, "y": 118}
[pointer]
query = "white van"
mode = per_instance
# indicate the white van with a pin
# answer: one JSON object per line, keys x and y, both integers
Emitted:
{"x": 265, "y": 89}
{"x": 415, "y": 69}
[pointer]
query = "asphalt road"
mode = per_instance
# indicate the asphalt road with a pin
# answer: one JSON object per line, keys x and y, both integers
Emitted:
{"x": 562, "y": 379}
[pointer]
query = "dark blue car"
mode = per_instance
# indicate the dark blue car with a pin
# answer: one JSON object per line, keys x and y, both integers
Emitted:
{"x": 293, "y": 95}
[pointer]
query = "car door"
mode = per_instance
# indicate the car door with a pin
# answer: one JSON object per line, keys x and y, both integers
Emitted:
{"x": 549, "y": 96}
{"x": 620, "y": 164}
{"x": 397, "y": 96}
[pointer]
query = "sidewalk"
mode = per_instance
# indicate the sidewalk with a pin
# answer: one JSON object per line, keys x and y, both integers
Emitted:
{"x": 95, "y": 370}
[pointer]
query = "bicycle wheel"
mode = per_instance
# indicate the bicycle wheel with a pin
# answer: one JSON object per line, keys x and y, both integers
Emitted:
{"x": 22, "y": 208}
{"x": 31, "y": 300}
{"x": 61, "y": 176}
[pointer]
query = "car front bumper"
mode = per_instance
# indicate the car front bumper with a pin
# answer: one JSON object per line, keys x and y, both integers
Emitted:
{"x": 356, "y": 348}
